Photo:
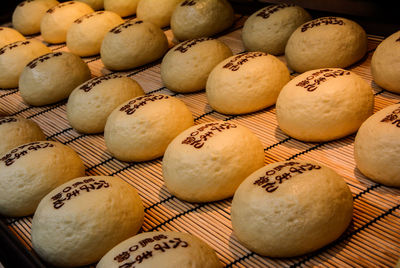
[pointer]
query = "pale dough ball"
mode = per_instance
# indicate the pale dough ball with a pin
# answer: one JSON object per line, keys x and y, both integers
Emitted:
{"x": 325, "y": 42}
{"x": 199, "y": 18}
{"x": 90, "y": 104}
{"x": 122, "y": 7}
{"x": 246, "y": 83}
{"x": 132, "y": 44}
{"x": 185, "y": 68}
{"x": 9, "y": 35}
{"x": 142, "y": 128}
{"x": 377, "y": 146}
{"x": 57, "y": 20}
{"x": 30, "y": 171}
{"x": 28, "y": 15}
{"x": 157, "y": 12}
{"x": 207, "y": 162}
{"x": 169, "y": 250}
{"x": 385, "y": 64}
{"x": 15, "y": 56}
{"x": 323, "y": 105}
{"x": 85, "y": 35}
{"x": 15, "y": 131}
{"x": 95, "y": 4}
{"x": 52, "y": 77}
{"x": 291, "y": 208}
{"x": 79, "y": 221}
{"x": 269, "y": 29}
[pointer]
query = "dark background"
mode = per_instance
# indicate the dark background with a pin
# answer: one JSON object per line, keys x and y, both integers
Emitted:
{"x": 377, "y": 17}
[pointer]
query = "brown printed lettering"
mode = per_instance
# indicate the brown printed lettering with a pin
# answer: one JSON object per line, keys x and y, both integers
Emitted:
{"x": 76, "y": 189}
{"x": 312, "y": 81}
{"x": 22, "y": 150}
{"x": 322, "y": 21}
{"x": 156, "y": 248}
{"x": 98, "y": 80}
{"x": 271, "y": 181}
{"x": 43, "y": 58}
{"x": 268, "y": 11}
{"x": 12, "y": 46}
{"x": 51, "y": 10}
{"x": 235, "y": 63}
{"x": 393, "y": 118}
{"x": 6, "y": 120}
{"x": 198, "y": 137}
{"x": 183, "y": 47}
{"x": 132, "y": 106}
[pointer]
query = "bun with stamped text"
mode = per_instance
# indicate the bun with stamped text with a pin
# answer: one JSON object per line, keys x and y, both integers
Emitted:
{"x": 161, "y": 249}
{"x": 90, "y": 104}
{"x": 132, "y": 44}
{"x": 28, "y": 15}
{"x": 291, "y": 208}
{"x": 207, "y": 162}
{"x": 30, "y": 171}
{"x": 86, "y": 34}
{"x": 15, "y": 56}
{"x": 324, "y": 104}
{"x": 201, "y": 18}
{"x": 82, "y": 219}
{"x": 185, "y": 68}
{"x": 385, "y": 66}
{"x": 325, "y": 42}
{"x": 63, "y": 72}
{"x": 269, "y": 29}
{"x": 377, "y": 146}
{"x": 246, "y": 83}
{"x": 57, "y": 20}
{"x": 141, "y": 129}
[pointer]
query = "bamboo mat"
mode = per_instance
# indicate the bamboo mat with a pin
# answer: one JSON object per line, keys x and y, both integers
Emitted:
{"x": 372, "y": 240}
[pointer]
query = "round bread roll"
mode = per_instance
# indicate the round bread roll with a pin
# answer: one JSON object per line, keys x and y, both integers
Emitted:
{"x": 57, "y": 20}
{"x": 208, "y": 162}
{"x": 246, "y": 83}
{"x": 157, "y": 12}
{"x": 323, "y": 105}
{"x": 325, "y": 42}
{"x": 52, "y": 77}
{"x": 132, "y": 44}
{"x": 377, "y": 146}
{"x": 15, "y": 56}
{"x": 185, "y": 68}
{"x": 269, "y": 29}
{"x": 122, "y": 7}
{"x": 291, "y": 208}
{"x": 161, "y": 249}
{"x": 9, "y": 35}
{"x": 28, "y": 15}
{"x": 155, "y": 120}
{"x": 85, "y": 35}
{"x": 90, "y": 104}
{"x": 95, "y": 4}
{"x": 200, "y": 18}
{"x": 385, "y": 64}
{"x": 30, "y": 171}
{"x": 79, "y": 221}
{"x": 15, "y": 131}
